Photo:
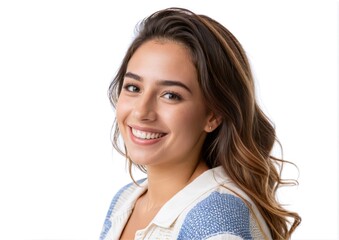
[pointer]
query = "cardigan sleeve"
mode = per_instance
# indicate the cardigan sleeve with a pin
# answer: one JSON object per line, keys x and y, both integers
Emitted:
{"x": 219, "y": 216}
{"x": 107, "y": 223}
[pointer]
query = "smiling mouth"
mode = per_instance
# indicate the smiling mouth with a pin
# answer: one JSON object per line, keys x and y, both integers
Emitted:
{"x": 146, "y": 135}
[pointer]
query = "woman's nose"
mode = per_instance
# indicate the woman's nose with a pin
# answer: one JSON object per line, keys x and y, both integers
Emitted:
{"x": 145, "y": 107}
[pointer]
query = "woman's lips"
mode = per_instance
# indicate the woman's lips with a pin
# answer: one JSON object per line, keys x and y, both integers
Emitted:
{"x": 146, "y": 135}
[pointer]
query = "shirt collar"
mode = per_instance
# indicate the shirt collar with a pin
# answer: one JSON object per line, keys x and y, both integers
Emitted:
{"x": 176, "y": 205}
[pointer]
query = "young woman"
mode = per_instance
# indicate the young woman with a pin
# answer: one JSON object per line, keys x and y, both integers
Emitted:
{"x": 186, "y": 109}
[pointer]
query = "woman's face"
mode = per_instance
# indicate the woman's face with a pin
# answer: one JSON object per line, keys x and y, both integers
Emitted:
{"x": 161, "y": 111}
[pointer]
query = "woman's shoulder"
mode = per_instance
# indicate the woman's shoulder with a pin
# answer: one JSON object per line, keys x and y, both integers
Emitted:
{"x": 129, "y": 187}
{"x": 221, "y": 212}
{"x": 124, "y": 194}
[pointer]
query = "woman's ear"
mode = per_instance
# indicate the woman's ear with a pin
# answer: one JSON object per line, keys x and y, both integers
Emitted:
{"x": 213, "y": 121}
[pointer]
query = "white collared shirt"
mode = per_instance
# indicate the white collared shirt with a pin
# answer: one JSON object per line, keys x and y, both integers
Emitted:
{"x": 210, "y": 207}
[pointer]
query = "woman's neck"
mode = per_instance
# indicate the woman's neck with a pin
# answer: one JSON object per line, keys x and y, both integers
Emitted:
{"x": 165, "y": 182}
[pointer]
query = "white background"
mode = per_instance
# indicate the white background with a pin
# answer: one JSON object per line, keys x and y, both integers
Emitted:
{"x": 58, "y": 170}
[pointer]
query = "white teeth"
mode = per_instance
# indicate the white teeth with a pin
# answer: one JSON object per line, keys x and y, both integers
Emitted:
{"x": 146, "y": 135}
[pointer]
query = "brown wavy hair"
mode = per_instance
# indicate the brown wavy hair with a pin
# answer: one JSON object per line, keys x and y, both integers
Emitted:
{"x": 243, "y": 142}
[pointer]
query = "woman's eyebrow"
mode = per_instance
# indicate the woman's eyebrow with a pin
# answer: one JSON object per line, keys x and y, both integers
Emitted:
{"x": 133, "y": 76}
{"x": 160, "y": 82}
{"x": 174, "y": 83}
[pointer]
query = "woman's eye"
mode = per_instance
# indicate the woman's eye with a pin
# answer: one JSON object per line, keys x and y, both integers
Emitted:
{"x": 172, "y": 96}
{"x": 131, "y": 88}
